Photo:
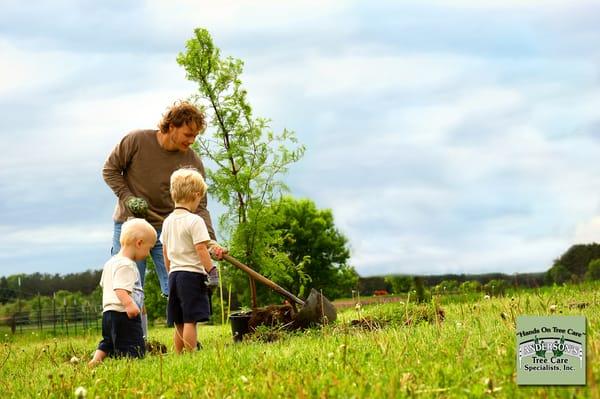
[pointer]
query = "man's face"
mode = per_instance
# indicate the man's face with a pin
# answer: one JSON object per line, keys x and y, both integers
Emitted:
{"x": 183, "y": 137}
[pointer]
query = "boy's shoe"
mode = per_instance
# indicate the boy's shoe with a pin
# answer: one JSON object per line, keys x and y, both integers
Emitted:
{"x": 198, "y": 345}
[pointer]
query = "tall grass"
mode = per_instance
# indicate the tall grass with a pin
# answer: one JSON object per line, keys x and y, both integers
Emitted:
{"x": 469, "y": 353}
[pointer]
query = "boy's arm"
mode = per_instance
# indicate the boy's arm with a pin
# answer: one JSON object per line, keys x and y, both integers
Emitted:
{"x": 204, "y": 256}
{"x": 131, "y": 307}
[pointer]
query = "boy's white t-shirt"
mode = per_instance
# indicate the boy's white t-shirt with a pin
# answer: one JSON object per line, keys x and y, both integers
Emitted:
{"x": 180, "y": 232}
{"x": 120, "y": 272}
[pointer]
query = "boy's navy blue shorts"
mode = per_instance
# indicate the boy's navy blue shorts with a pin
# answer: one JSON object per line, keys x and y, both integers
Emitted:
{"x": 122, "y": 336}
{"x": 188, "y": 298}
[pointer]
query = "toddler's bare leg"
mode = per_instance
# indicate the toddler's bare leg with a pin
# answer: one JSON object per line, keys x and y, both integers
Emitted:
{"x": 178, "y": 338}
{"x": 190, "y": 336}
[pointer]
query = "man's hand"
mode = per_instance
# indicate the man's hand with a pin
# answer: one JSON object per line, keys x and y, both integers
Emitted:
{"x": 216, "y": 251}
{"x": 132, "y": 309}
{"x": 213, "y": 277}
{"x": 137, "y": 206}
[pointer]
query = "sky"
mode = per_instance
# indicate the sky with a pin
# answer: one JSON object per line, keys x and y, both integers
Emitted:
{"x": 446, "y": 137}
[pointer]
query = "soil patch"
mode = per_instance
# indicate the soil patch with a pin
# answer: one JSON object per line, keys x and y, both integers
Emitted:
{"x": 272, "y": 316}
{"x": 154, "y": 347}
{"x": 368, "y": 323}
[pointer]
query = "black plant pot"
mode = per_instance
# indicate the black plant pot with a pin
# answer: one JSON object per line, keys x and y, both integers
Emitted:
{"x": 239, "y": 325}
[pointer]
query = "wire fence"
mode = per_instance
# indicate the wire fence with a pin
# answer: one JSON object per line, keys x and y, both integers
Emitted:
{"x": 60, "y": 319}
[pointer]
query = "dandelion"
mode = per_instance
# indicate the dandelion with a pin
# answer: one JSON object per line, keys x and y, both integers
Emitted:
{"x": 244, "y": 379}
{"x": 458, "y": 324}
{"x": 330, "y": 355}
{"x": 80, "y": 392}
{"x": 486, "y": 297}
{"x": 552, "y": 308}
{"x": 74, "y": 360}
{"x": 489, "y": 385}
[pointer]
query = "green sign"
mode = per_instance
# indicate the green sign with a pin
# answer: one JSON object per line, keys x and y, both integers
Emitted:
{"x": 551, "y": 350}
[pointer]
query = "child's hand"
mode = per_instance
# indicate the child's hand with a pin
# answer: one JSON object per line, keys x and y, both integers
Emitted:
{"x": 216, "y": 251}
{"x": 132, "y": 310}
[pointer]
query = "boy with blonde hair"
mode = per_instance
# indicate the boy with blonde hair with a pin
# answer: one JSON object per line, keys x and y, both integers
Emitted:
{"x": 122, "y": 294}
{"x": 185, "y": 238}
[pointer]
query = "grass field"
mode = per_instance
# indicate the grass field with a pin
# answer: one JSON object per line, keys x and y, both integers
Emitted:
{"x": 471, "y": 353}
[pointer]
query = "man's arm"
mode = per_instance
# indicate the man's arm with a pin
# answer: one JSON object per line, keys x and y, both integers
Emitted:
{"x": 118, "y": 161}
{"x": 131, "y": 307}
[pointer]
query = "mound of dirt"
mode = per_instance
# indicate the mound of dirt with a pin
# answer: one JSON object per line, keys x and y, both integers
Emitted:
{"x": 426, "y": 315}
{"x": 272, "y": 316}
{"x": 154, "y": 347}
{"x": 368, "y": 323}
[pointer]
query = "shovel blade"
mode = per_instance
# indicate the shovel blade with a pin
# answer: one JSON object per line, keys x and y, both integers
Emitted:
{"x": 316, "y": 310}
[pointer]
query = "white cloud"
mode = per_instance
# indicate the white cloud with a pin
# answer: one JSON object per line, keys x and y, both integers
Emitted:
{"x": 55, "y": 236}
{"x": 588, "y": 231}
{"x": 230, "y": 17}
{"x": 22, "y": 71}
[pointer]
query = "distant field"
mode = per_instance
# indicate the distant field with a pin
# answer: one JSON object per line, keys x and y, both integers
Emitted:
{"x": 345, "y": 303}
{"x": 394, "y": 350}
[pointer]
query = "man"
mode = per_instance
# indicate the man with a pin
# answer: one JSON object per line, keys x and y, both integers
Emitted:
{"x": 138, "y": 171}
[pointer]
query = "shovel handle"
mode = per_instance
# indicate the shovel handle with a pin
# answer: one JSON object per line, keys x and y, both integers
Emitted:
{"x": 252, "y": 273}
{"x": 257, "y": 276}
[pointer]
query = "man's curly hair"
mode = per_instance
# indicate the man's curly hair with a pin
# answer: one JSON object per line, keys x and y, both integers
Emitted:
{"x": 182, "y": 113}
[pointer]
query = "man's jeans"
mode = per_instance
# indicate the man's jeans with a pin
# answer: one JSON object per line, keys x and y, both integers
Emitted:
{"x": 157, "y": 256}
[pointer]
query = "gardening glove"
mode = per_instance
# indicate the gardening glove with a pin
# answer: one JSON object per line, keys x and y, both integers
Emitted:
{"x": 213, "y": 277}
{"x": 137, "y": 206}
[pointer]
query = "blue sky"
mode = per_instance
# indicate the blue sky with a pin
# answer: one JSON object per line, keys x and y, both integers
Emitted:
{"x": 445, "y": 138}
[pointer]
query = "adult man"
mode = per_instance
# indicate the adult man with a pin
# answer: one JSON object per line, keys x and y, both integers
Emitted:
{"x": 141, "y": 165}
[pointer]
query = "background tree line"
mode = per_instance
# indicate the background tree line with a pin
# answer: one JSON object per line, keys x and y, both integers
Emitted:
{"x": 47, "y": 284}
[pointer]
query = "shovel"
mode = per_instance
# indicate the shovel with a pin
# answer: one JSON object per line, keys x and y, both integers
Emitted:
{"x": 315, "y": 310}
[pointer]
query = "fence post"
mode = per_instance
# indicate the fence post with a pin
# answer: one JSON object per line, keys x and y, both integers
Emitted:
{"x": 19, "y": 313}
{"x": 19, "y": 300}
{"x": 75, "y": 314}
{"x": 41, "y": 326}
{"x": 65, "y": 321}
{"x": 54, "y": 312}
